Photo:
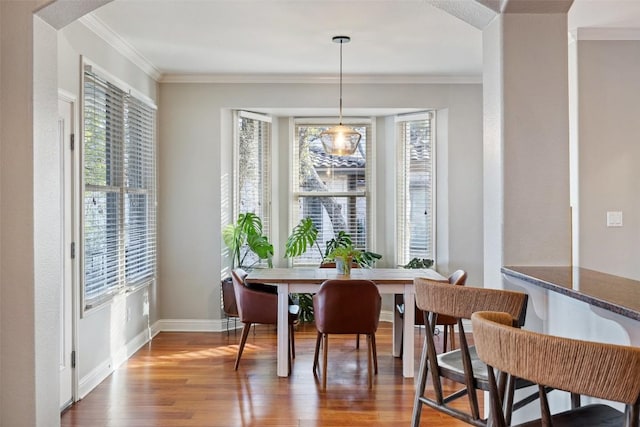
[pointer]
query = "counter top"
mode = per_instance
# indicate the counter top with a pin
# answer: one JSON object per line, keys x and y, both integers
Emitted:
{"x": 613, "y": 293}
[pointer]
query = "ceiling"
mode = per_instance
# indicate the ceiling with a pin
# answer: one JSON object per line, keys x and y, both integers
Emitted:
{"x": 407, "y": 38}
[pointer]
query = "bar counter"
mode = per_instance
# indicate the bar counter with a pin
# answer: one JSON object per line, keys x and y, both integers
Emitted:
{"x": 576, "y": 303}
{"x": 613, "y": 293}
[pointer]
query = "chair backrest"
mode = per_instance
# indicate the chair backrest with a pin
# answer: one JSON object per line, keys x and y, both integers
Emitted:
{"x": 238, "y": 275}
{"x": 462, "y": 301}
{"x": 458, "y": 277}
{"x": 254, "y": 305}
{"x": 347, "y": 307}
{"x": 605, "y": 371}
{"x": 229, "y": 305}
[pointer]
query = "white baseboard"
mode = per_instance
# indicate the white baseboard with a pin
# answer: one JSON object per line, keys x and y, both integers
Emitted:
{"x": 120, "y": 356}
{"x": 386, "y": 316}
{"x": 197, "y": 325}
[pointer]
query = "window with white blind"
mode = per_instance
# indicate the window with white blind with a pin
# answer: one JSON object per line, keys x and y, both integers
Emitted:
{"x": 119, "y": 199}
{"x": 415, "y": 192}
{"x": 253, "y": 169}
{"x": 331, "y": 190}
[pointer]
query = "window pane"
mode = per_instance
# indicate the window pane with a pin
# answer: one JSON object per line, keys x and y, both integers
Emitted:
{"x": 101, "y": 242}
{"x": 119, "y": 225}
{"x": 103, "y": 133}
{"x": 330, "y": 189}
{"x": 139, "y": 244}
{"x": 415, "y": 190}
{"x": 254, "y": 167}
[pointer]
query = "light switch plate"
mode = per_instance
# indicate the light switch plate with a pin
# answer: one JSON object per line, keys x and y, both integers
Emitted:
{"x": 614, "y": 219}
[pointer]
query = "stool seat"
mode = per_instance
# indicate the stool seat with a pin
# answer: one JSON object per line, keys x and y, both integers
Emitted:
{"x": 589, "y": 415}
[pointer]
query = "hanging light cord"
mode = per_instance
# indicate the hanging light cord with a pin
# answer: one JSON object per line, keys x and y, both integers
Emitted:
{"x": 341, "y": 42}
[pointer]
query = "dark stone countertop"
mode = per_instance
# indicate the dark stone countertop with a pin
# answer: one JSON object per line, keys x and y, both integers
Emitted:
{"x": 614, "y": 293}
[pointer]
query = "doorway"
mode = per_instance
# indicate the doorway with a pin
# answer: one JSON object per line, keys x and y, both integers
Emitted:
{"x": 66, "y": 131}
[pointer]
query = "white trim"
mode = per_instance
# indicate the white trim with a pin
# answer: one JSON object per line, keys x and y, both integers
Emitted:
{"x": 102, "y": 30}
{"x": 192, "y": 325}
{"x": 386, "y": 316}
{"x": 254, "y": 116}
{"x": 319, "y": 79}
{"x": 121, "y": 355}
{"x": 332, "y": 121}
{"x": 608, "y": 34}
{"x": 67, "y": 96}
{"x": 409, "y": 117}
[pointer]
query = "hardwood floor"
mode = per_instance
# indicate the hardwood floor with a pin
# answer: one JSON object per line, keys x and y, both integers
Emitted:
{"x": 187, "y": 379}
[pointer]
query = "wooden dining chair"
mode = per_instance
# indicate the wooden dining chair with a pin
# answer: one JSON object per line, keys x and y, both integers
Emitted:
{"x": 259, "y": 306}
{"x": 347, "y": 307}
{"x": 604, "y": 371}
{"x": 448, "y": 323}
{"x": 461, "y": 365}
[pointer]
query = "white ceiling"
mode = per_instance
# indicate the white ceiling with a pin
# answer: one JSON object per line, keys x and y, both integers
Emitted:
{"x": 293, "y": 37}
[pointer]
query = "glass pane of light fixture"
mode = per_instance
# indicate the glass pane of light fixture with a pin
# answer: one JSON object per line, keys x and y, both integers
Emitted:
{"x": 340, "y": 140}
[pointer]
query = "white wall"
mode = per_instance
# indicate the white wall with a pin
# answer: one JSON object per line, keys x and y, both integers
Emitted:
{"x": 609, "y": 151}
{"x": 105, "y": 335}
{"x": 195, "y": 164}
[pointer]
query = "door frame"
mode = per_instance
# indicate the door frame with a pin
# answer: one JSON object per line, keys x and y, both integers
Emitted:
{"x": 73, "y": 169}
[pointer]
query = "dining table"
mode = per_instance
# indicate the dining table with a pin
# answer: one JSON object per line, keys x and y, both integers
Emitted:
{"x": 308, "y": 280}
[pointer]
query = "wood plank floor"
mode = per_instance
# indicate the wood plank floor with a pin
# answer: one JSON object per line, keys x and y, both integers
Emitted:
{"x": 187, "y": 380}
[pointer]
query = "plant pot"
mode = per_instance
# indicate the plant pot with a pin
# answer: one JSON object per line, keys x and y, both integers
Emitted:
{"x": 343, "y": 265}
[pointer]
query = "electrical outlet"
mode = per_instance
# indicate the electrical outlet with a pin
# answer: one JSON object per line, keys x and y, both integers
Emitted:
{"x": 145, "y": 303}
{"x": 614, "y": 219}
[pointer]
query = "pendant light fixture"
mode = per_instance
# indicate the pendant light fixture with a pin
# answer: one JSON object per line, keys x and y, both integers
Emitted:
{"x": 340, "y": 140}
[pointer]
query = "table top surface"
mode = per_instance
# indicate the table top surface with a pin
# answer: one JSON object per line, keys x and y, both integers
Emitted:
{"x": 614, "y": 293}
{"x": 319, "y": 275}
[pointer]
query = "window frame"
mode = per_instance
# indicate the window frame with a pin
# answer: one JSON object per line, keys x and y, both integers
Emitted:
{"x": 369, "y": 175}
{"x": 402, "y": 184}
{"x": 130, "y": 99}
{"x": 268, "y": 176}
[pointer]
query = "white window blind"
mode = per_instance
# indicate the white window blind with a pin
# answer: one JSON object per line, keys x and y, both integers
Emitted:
{"x": 119, "y": 207}
{"x": 331, "y": 190}
{"x": 253, "y": 168}
{"x": 415, "y": 180}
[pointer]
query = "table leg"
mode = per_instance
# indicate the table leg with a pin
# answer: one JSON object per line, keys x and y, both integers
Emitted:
{"x": 283, "y": 330}
{"x": 407, "y": 341}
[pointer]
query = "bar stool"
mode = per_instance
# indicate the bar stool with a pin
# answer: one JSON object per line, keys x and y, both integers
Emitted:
{"x": 461, "y": 365}
{"x": 605, "y": 371}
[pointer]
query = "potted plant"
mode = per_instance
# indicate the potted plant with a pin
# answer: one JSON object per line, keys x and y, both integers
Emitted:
{"x": 305, "y": 236}
{"x": 248, "y": 246}
{"x": 419, "y": 263}
{"x": 343, "y": 257}
{"x": 245, "y": 238}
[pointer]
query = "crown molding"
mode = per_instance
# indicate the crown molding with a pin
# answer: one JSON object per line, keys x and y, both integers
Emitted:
{"x": 593, "y": 33}
{"x": 318, "y": 79}
{"x": 103, "y": 31}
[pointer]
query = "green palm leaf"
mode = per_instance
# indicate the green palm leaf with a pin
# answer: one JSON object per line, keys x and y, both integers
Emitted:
{"x": 303, "y": 236}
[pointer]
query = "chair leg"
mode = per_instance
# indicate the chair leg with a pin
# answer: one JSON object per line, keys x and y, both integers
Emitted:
{"x": 370, "y": 360}
{"x": 325, "y": 351}
{"x": 292, "y": 341}
{"x": 452, "y": 337}
{"x": 357, "y": 341}
{"x": 375, "y": 353}
{"x": 444, "y": 338}
{"x": 315, "y": 354}
{"x": 243, "y": 340}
